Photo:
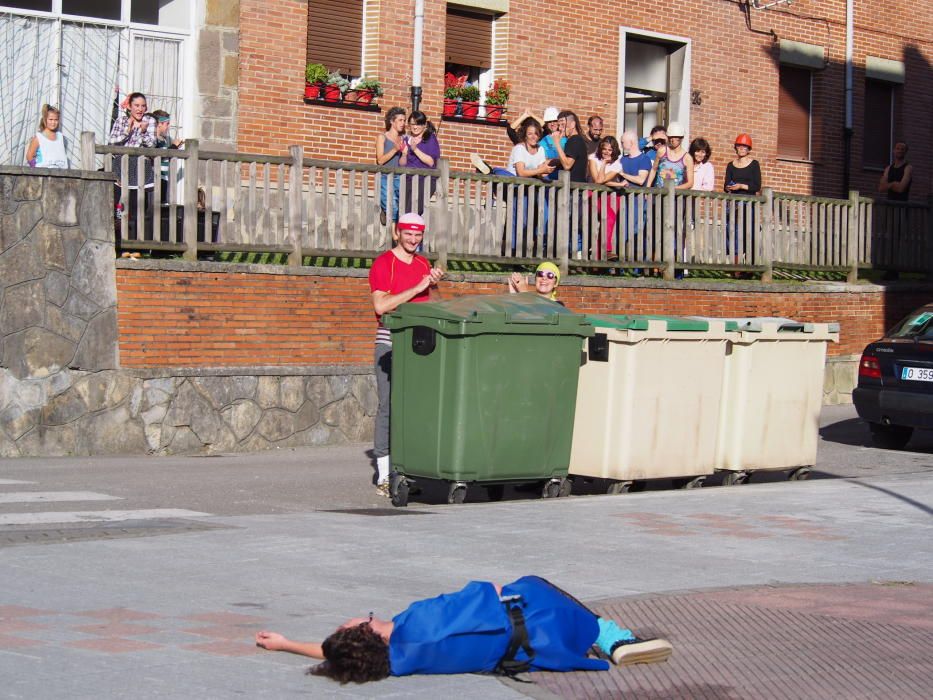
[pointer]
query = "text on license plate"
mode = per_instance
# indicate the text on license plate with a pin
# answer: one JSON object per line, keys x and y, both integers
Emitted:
{"x": 916, "y": 374}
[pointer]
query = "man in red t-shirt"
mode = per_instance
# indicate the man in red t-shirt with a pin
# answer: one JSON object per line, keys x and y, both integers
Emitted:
{"x": 397, "y": 276}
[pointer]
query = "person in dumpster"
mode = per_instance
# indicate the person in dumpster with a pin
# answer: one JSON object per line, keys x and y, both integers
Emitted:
{"x": 527, "y": 625}
{"x": 547, "y": 279}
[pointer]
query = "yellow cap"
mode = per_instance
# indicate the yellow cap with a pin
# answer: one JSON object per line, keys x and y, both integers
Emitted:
{"x": 551, "y": 267}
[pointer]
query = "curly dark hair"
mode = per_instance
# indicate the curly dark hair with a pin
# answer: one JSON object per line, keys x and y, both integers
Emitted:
{"x": 356, "y": 654}
{"x": 527, "y": 125}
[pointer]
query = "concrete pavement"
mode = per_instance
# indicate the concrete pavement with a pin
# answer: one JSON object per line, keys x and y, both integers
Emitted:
{"x": 164, "y": 607}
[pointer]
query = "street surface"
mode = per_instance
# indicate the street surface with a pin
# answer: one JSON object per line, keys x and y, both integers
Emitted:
{"x": 146, "y": 577}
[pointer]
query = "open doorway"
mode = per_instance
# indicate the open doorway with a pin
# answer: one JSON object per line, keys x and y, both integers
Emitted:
{"x": 654, "y": 80}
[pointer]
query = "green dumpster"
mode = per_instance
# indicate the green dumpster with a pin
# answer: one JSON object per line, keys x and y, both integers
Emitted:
{"x": 483, "y": 391}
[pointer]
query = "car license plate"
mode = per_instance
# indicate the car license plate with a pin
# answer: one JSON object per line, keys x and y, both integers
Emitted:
{"x": 916, "y": 374}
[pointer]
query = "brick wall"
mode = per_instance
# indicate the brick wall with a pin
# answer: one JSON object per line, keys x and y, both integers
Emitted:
{"x": 735, "y": 69}
{"x": 181, "y": 315}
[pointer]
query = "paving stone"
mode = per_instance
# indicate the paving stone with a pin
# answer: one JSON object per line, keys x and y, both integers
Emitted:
{"x": 19, "y": 223}
{"x": 27, "y": 188}
{"x": 96, "y": 215}
{"x": 49, "y": 246}
{"x": 23, "y": 306}
{"x": 93, "y": 274}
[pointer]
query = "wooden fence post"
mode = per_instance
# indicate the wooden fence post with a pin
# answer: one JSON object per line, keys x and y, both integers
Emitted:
{"x": 88, "y": 161}
{"x": 294, "y": 203}
{"x": 767, "y": 235}
{"x": 563, "y": 233}
{"x": 852, "y": 238}
{"x": 669, "y": 249}
{"x": 190, "y": 221}
{"x": 443, "y": 224}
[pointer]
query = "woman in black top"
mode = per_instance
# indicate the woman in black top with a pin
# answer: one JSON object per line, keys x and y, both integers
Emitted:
{"x": 743, "y": 176}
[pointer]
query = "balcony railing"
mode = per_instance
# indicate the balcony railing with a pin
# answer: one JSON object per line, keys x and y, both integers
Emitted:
{"x": 301, "y": 206}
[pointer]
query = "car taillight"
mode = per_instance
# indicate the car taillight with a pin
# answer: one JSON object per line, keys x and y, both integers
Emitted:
{"x": 869, "y": 367}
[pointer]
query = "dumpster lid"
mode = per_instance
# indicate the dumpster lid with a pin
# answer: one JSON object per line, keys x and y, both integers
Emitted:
{"x": 504, "y": 313}
{"x": 755, "y": 324}
{"x": 640, "y": 322}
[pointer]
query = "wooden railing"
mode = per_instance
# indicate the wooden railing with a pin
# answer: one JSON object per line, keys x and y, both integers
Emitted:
{"x": 300, "y": 206}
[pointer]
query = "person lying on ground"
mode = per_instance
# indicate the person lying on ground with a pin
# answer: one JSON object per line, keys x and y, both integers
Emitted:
{"x": 527, "y": 625}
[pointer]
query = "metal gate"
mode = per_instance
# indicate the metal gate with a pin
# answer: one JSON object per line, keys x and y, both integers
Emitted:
{"x": 84, "y": 68}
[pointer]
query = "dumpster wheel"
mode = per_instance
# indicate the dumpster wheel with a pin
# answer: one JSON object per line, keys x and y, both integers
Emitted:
{"x": 735, "y": 478}
{"x": 694, "y": 483}
{"x": 799, "y": 474}
{"x": 399, "y": 491}
{"x": 555, "y": 488}
{"x": 617, "y": 487}
{"x": 457, "y": 492}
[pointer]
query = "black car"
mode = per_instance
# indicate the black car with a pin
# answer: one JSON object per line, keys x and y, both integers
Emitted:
{"x": 895, "y": 381}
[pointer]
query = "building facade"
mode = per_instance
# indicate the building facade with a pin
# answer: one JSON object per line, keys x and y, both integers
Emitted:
{"x": 232, "y": 72}
{"x": 720, "y": 67}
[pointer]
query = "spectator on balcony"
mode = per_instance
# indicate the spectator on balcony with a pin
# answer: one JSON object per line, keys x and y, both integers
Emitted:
{"x": 672, "y": 162}
{"x": 47, "y": 148}
{"x": 605, "y": 168}
{"x": 552, "y": 136}
{"x": 572, "y": 156}
{"x": 656, "y": 139}
{"x": 389, "y": 148}
{"x": 594, "y": 132}
{"x": 422, "y": 150}
{"x": 704, "y": 178}
{"x": 397, "y": 276}
{"x": 895, "y": 180}
{"x": 133, "y": 129}
{"x": 529, "y": 160}
{"x": 164, "y": 139}
{"x": 743, "y": 176}
{"x": 636, "y": 165}
{"x": 513, "y": 127}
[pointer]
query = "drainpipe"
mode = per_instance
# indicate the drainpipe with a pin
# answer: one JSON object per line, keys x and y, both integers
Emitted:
{"x": 416, "y": 56}
{"x": 847, "y": 131}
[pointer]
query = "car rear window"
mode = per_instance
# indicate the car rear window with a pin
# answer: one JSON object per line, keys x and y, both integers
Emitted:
{"x": 917, "y": 325}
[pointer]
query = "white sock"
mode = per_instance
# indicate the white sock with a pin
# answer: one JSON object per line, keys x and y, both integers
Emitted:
{"x": 382, "y": 465}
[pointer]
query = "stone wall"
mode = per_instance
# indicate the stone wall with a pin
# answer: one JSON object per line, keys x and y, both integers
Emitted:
{"x": 123, "y": 412}
{"x": 62, "y": 391}
{"x": 57, "y": 293}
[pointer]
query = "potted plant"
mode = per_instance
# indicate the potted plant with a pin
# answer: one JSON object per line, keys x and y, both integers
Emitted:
{"x": 367, "y": 89}
{"x": 315, "y": 75}
{"x": 335, "y": 86}
{"x": 469, "y": 106}
{"x": 452, "y": 87}
{"x": 496, "y": 97}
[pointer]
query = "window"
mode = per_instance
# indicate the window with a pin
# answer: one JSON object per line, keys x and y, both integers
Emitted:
{"x": 794, "y": 103}
{"x": 879, "y": 121}
{"x": 104, "y": 9}
{"x": 468, "y": 51}
{"x": 335, "y": 35}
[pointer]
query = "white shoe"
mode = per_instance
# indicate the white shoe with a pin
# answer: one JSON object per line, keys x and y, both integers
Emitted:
{"x": 641, "y": 651}
{"x": 480, "y": 164}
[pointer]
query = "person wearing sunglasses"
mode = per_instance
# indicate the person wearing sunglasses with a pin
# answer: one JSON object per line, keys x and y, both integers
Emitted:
{"x": 547, "y": 279}
{"x": 527, "y": 625}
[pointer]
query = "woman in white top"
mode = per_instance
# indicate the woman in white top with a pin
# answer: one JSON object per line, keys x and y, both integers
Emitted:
{"x": 47, "y": 148}
{"x": 605, "y": 168}
{"x": 704, "y": 178}
{"x": 528, "y": 160}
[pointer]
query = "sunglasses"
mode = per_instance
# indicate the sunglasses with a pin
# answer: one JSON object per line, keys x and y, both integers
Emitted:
{"x": 659, "y": 142}
{"x": 545, "y": 273}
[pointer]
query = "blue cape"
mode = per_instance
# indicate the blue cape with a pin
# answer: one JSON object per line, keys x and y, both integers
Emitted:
{"x": 469, "y": 631}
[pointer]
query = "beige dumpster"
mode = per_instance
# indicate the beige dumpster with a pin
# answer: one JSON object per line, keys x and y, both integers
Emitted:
{"x": 648, "y": 400}
{"x": 772, "y": 397}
